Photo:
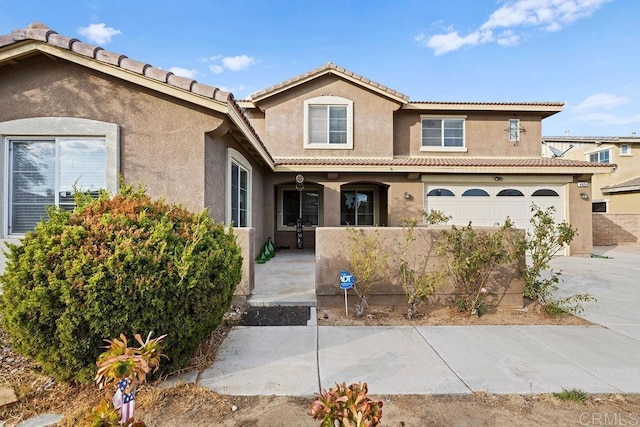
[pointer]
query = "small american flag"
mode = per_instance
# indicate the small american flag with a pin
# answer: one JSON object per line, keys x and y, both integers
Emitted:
{"x": 124, "y": 402}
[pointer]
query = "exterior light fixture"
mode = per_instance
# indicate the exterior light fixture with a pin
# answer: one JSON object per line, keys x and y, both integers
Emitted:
{"x": 498, "y": 178}
{"x": 407, "y": 195}
{"x": 584, "y": 196}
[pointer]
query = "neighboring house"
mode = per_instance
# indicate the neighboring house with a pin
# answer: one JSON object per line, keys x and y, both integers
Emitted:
{"x": 616, "y": 190}
{"x": 366, "y": 155}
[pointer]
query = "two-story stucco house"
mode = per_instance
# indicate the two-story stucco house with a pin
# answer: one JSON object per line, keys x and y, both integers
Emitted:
{"x": 616, "y": 190}
{"x": 329, "y": 146}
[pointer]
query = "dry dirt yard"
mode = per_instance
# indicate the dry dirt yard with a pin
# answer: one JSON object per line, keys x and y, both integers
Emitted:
{"x": 189, "y": 405}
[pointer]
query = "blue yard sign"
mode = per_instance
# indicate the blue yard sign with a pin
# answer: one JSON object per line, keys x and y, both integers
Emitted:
{"x": 346, "y": 280}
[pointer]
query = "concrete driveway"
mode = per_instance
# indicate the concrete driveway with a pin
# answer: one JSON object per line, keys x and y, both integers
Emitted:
{"x": 614, "y": 280}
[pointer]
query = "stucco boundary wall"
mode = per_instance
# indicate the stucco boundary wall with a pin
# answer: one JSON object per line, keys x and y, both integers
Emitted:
{"x": 616, "y": 229}
{"x": 245, "y": 239}
{"x": 505, "y": 284}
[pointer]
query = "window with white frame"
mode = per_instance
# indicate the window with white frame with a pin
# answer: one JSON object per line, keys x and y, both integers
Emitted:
{"x": 514, "y": 130}
{"x": 43, "y": 170}
{"x": 328, "y": 122}
{"x": 602, "y": 156}
{"x": 238, "y": 190}
{"x": 625, "y": 150}
{"x": 442, "y": 133}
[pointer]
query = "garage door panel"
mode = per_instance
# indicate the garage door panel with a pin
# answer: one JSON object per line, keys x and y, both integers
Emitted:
{"x": 487, "y": 211}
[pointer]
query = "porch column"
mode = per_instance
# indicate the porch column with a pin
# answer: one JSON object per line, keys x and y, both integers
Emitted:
{"x": 331, "y": 210}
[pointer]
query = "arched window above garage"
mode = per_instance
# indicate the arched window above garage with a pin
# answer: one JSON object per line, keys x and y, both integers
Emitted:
{"x": 440, "y": 192}
{"x": 476, "y": 192}
{"x": 545, "y": 192}
{"x": 510, "y": 192}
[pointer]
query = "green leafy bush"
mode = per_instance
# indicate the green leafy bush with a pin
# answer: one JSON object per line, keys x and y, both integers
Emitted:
{"x": 470, "y": 256}
{"x": 116, "y": 264}
{"x": 542, "y": 243}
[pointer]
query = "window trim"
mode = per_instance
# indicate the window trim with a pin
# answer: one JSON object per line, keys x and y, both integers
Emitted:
{"x": 462, "y": 149}
{"x": 514, "y": 130}
{"x": 628, "y": 153}
{"x": 589, "y": 153}
{"x": 289, "y": 187}
{"x": 234, "y": 156}
{"x": 328, "y": 101}
{"x": 53, "y": 128}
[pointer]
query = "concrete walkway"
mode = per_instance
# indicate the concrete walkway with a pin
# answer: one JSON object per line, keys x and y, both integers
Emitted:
{"x": 299, "y": 360}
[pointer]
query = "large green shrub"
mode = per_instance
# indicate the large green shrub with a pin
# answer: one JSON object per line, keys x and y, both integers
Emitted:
{"x": 117, "y": 264}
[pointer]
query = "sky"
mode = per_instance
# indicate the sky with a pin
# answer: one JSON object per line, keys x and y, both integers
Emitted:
{"x": 585, "y": 53}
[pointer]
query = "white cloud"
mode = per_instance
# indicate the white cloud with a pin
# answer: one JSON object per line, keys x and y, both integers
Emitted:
{"x": 237, "y": 63}
{"x": 98, "y": 33}
{"x": 601, "y": 101}
{"x": 550, "y": 15}
{"x": 604, "y": 119}
{"x": 216, "y": 69}
{"x": 184, "y": 72}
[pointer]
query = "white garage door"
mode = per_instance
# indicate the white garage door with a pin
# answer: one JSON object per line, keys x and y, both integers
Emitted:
{"x": 486, "y": 205}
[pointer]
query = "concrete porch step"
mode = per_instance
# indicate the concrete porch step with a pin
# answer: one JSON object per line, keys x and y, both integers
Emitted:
{"x": 306, "y": 299}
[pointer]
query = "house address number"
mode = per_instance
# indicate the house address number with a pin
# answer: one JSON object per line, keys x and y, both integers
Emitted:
{"x": 583, "y": 184}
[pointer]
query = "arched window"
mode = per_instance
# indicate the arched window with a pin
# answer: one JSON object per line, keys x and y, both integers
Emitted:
{"x": 545, "y": 192}
{"x": 440, "y": 192}
{"x": 475, "y": 192}
{"x": 510, "y": 192}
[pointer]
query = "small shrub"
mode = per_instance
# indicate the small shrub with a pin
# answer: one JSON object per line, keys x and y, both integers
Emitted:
{"x": 418, "y": 283}
{"x": 435, "y": 217}
{"x": 572, "y": 395}
{"x": 116, "y": 264}
{"x": 346, "y": 406}
{"x": 368, "y": 264}
{"x": 542, "y": 243}
{"x": 470, "y": 257}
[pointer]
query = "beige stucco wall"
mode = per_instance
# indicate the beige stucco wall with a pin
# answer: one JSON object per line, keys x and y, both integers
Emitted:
{"x": 177, "y": 150}
{"x": 627, "y": 169}
{"x": 505, "y": 285}
{"x": 162, "y": 141}
{"x": 246, "y": 240}
{"x": 579, "y": 216}
{"x": 284, "y": 120}
{"x": 485, "y": 134}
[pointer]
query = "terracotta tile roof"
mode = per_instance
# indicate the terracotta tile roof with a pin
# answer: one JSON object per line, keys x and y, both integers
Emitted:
{"x": 40, "y": 32}
{"x": 328, "y": 68}
{"x": 439, "y": 162}
{"x": 631, "y": 185}
{"x": 508, "y": 104}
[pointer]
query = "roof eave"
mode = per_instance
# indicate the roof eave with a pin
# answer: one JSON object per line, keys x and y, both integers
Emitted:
{"x": 545, "y": 109}
{"x": 627, "y": 189}
{"x": 31, "y": 47}
{"x": 515, "y": 170}
{"x": 381, "y": 91}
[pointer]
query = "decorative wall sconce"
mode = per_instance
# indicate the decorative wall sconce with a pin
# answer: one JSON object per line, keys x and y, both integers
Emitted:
{"x": 584, "y": 196}
{"x": 407, "y": 195}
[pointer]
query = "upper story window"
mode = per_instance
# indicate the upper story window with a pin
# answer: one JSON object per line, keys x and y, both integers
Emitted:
{"x": 603, "y": 156}
{"x": 514, "y": 130}
{"x": 443, "y": 133}
{"x": 328, "y": 122}
{"x": 625, "y": 150}
{"x": 238, "y": 190}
